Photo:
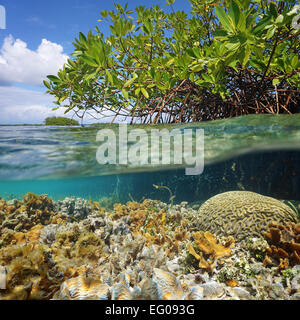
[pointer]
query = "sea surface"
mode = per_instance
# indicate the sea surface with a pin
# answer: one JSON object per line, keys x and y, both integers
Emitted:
{"x": 259, "y": 153}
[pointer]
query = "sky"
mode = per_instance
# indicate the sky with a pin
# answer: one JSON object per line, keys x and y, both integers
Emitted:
{"x": 37, "y": 41}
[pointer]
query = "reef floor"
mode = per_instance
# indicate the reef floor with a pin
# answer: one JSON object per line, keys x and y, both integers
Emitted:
{"x": 78, "y": 249}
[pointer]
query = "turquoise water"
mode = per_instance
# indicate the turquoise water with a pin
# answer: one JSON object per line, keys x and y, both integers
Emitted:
{"x": 260, "y": 153}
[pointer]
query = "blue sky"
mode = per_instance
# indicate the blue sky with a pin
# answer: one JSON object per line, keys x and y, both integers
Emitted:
{"x": 37, "y": 41}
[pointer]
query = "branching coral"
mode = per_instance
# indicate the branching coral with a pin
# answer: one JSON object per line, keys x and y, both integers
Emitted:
{"x": 23, "y": 215}
{"x": 32, "y": 235}
{"x": 284, "y": 240}
{"x": 73, "y": 248}
{"x": 31, "y": 272}
{"x": 36, "y": 270}
{"x": 156, "y": 225}
{"x": 207, "y": 250}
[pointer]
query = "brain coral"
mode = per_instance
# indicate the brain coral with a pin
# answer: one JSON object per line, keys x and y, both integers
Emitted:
{"x": 241, "y": 214}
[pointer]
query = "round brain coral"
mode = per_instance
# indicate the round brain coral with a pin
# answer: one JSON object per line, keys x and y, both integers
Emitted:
{"x": 241, "y": 214}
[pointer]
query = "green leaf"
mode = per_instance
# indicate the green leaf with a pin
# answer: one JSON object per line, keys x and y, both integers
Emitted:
{"x": 224, "y": 19}
{"x": 137, "y": 91}
{"x": 232, "y": 46}
{"x": 207, "y": 78}
{"x": 54, "y": 79}
{"x": 90, "y": 61}
{"x": 197, "y": 67}
{"x": 258, "y": 51}
{"x": 191, "y": 52}
{"x": 294, "y": 61}
{"x": 261, "y": 25}
{"x": 109, "y": 76}
{"x": 82, "y": 38}
{"x": 60, "y": 99}
{"x": 233, "y": 64}
{"x": 130, "y": 81}
{"x": 46, "y": 83}
{"x": 247, "y": 56}
{"x": 234, "y": 13}
{"x": 279, "y": 19}
{"x": 125, "y": 94}
{"x": 258, "y": 64}
{"x": 171, "y": 61}
{"x": 69, "y": 109}
{"x": 271, "y": 32}
{"x": 149, "y": 26}
{"x": 242, "y": 24}
{"x": 220, "y": 33}
{"x": 294, "y": 10}
{"x": 152, "y": 73}
{"x": 203, "y": 83}
{"x": 275, "y": 81}
{"x": 145, "y": 93}
{"x": 169, "y": 2}
{"x": 90, "y": 76}
{"x": 104, "y": 13}
{"x": 273, "y": 10}
{"x": 55, "y": 108}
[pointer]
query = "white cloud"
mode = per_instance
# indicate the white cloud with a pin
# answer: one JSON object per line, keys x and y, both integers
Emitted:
{"x": 33, "y": 114}
{"x": 18, "y": 105}
{"x": 22, "y": 65}
{"x": 18, "y": 64}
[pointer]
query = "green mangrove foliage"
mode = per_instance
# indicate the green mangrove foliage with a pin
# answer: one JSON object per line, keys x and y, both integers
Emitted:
{"x": 60, "y": 121}
{"x": 222, "y": 59}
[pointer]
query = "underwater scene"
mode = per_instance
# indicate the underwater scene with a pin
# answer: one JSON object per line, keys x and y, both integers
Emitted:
{"x": 73, "y": 228}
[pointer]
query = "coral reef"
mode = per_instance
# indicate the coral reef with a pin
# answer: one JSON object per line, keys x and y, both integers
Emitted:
{"x": 241, "y": 214}
{"x": 284, "y": 240}
{"x": 162, "y": 286}
{"x": 31, "y": 272}
{"x": 74, "y": 247}
{"x": 38, "y": 268}
{"x": 148, "y": 250}
{"x": 32, "y": 235}
{"x": 74, "y": 207}
{"x": 23, "y": 215}
{"x": 84, "y": 287}
{"x": 155, "y": 224}
{"x": 209, "y": 249}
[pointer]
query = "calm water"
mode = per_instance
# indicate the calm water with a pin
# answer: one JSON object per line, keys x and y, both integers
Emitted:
{"x": 259, "y": 153}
